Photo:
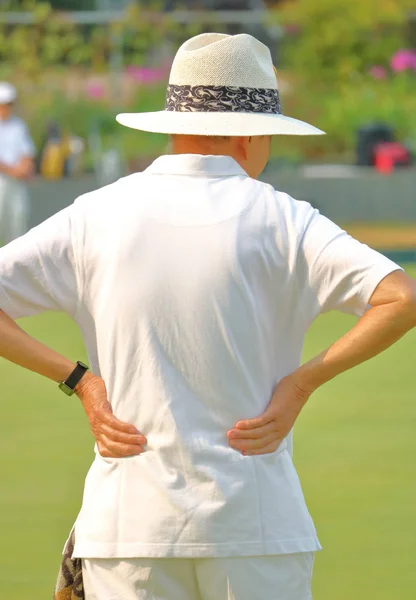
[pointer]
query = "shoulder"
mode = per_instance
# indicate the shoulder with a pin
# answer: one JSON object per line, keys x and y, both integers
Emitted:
{"x": 283, "y": 205}
{"x": 17, "y": 129}
{"x": 109, "y": 195}
{"x": 18, "y": 124}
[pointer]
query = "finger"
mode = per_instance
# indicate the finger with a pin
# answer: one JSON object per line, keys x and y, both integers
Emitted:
{"x": 246, "y": 445}
{"x": 125, "y": 438}
{"x": 122, "y": 450}
{"x": 106, "y": 453}
{"x": 256, "y": 422}
{"x": 266, "y": 450}
{"x": 258, "y": 432}
{"x": 112, "y": 421}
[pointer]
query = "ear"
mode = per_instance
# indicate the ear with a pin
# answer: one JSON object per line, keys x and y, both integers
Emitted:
{"x": 243, "y": 146}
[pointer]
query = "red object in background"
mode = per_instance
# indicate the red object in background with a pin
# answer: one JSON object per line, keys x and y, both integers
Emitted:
{"x": 389, "y": 155}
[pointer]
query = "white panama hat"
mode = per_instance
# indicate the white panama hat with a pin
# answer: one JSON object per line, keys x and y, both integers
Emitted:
{"x": 221, "y": 85}
{"x": 8, "y": 93}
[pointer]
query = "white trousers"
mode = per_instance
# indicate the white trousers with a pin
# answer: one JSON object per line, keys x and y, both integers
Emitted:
{"x": 14, "y": 209}
{"x": 277, "y": 577}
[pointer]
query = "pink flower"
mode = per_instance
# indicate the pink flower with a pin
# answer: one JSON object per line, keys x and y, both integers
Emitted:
{"x": 292, "y": 29}
{"x": 95, "y": 90}
{"x": 378, "y": 72}
{"x": 403, "y": 60}
{"x": 146, "y": 75}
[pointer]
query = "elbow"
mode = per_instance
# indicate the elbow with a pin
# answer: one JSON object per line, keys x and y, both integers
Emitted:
{"x": 408, "y": 301}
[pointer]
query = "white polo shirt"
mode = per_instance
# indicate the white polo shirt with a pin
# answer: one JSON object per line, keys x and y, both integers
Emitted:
{"x": 193, "y": 286}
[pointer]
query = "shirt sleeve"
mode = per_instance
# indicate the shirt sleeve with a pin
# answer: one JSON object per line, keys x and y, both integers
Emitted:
{"x": 38, "y": 271}
{"x": 26, "y": 145}
{"x": 334, "y": 271}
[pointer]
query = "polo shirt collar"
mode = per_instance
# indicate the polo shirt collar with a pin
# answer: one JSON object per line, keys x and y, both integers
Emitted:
{"x": 196, "y": 165}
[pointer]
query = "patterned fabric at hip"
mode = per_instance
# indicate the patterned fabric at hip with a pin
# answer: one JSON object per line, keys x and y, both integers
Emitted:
{"x": 70, "y": 584}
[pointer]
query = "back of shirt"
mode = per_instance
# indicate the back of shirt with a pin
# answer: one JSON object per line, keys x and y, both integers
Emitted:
{"x": 193, "y": 286}
{"x": 195, "y": 296}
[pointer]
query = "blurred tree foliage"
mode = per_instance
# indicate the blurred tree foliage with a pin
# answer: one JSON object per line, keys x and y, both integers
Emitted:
{"x": 340, "y": 40}
{"x": 54, "y": 40}
{"x": 56, "y": 4}
{"x": 74, "y": 4}
{"x": 329, "y": 53}
{"x": 50, "y": 40}
{"x": 327, "y": 58}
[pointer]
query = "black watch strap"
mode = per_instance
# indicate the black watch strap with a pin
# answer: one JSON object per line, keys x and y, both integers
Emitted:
{"x": 68, "y": 386}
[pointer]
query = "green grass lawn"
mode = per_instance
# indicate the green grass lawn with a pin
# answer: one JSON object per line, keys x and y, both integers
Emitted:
{"x": 355, "y": 452}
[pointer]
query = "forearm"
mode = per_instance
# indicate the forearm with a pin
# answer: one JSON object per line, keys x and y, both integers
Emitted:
{"x": 114, "y": 438}
{"x": 22, "y": 171}
{"x": 380, "y": 327}
{"x": 6, "y": 170}
{"x": 23, "y": 350}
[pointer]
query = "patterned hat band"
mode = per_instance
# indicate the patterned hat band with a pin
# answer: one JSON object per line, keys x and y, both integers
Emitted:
{"x": 210, "y": 98}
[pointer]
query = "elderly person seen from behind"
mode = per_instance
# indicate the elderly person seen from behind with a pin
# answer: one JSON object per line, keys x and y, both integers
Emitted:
{"x": 193, "y": 285}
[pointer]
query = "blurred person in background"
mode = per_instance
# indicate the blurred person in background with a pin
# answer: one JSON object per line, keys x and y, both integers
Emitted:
{"x": 17, "y": 165}
{"x": 193, "y": 284}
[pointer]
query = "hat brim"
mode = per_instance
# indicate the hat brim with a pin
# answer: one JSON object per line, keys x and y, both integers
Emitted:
{"x": 6, "y": 100}
{"x": 216, "y": 123}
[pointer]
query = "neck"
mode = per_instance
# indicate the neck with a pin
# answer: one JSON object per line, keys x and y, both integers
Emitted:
{"x": 206, "y": 146}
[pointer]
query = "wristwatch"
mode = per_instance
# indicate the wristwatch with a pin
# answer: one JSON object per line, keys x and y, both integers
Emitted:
{"x": 68, "y": 386}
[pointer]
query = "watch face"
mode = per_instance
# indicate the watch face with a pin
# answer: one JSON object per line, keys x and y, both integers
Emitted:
{"x": 66, "y": 389}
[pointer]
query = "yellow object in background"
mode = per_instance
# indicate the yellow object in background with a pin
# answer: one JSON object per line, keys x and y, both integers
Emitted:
{"x": 55, "y": 153}
{"x": 53, "y": 160}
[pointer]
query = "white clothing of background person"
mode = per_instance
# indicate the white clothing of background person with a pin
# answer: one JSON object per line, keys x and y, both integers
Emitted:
{"x": 17, "y": 153}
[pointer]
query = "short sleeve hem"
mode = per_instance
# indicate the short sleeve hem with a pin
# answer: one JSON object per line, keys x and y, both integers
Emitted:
{"x": 7, "y": 305}
{"x": 373, "y": 279}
